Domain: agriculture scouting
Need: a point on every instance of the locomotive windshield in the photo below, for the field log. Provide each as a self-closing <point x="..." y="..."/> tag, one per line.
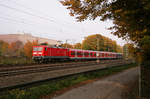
<point x="37" y="48"/>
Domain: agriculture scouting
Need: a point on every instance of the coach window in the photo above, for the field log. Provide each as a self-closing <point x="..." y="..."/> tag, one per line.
<point x="100" y="54"/>
<point x="86" y="54"/>
<point x="72" y="53"/>
<point x="91" y="54"/>
<point x="78" y="53"/>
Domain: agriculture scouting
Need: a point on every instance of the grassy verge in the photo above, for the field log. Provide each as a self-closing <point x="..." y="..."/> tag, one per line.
<point x="53" y="86"/>
<point x="5" y="61"/>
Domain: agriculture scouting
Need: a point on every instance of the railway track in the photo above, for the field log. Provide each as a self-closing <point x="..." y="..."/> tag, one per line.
<point x="13" y="71"/>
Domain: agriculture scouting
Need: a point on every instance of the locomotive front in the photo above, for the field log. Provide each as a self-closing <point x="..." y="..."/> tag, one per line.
<point x="38" y="53"/>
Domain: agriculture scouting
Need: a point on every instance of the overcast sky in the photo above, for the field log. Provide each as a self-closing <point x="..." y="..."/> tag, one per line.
<point x="48" y="19"/>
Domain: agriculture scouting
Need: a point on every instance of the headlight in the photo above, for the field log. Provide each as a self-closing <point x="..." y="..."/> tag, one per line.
<point x="35" y="53"/>
<point x="40" y="53"/>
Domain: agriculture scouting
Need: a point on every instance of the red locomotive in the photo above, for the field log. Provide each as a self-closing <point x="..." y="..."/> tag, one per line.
<point x="46" y="54"/>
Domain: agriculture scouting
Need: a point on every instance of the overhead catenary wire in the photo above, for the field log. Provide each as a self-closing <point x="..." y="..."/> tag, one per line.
<point x="35" y="15"/>
<point x="31" y="14"/>
<point x="45" y="15"/>
<point x="10" y="20"/>
<point x="20" y="19"/>
<point x="16" y="21"/>
<point x="29" y="8"/>
<point x="25" y="12"/>
<point x="33" y="10"/>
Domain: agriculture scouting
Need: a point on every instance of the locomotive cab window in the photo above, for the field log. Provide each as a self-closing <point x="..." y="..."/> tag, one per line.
<point x="45" y="49"/>
<point x="40" y="48"/>
<point x="37" y="48"/>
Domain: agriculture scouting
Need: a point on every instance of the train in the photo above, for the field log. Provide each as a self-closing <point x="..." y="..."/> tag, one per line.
<point x="44" y="54"/>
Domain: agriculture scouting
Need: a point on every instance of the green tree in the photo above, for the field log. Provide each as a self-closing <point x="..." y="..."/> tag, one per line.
<point x="45" y="43"/>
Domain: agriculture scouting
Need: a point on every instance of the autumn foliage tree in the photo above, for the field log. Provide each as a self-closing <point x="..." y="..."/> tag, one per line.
<point x="3" y="48"/>
<point x="66" y="45"/>
<point x="119" y="49"/>
<point x="28" y="47"/>
<point x="15" y="48"/>
<point x="100" y="43"/>
<point x="77" y="46"/>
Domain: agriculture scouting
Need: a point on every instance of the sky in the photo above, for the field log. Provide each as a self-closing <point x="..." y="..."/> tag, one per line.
<point x="49" y="19"/>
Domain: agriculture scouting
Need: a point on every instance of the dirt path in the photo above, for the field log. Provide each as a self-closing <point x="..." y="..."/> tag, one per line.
<point x="111" y="87"/>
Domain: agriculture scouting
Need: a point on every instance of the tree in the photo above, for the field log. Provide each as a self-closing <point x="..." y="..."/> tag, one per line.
<point x="28" y="47"/>
<point x="145" y="44"/>
<point x="100" y="43"/>
<point x="3" y="48"/>
<point x="93" y="42"/>
<point x="78" y="46"/>
<point x="66" y="45"/>
<point x="119" y="49"/>
<point x="45" y="43"/>
<point x="15" y="48"/>
<point x="114" y="46"/>
<point x="1" y="44"/>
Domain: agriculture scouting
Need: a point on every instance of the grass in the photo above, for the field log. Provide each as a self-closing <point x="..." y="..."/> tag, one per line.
<point x="14" y="61"/>
<point x="50" y="87"/>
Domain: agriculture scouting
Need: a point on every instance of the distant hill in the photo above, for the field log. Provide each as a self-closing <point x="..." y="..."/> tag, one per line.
<point x="26" y="37"/>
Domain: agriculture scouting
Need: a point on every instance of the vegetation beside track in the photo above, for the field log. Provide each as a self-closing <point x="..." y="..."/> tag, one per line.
<point x="50" y="87"/>
<point x="13" y="61"/>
